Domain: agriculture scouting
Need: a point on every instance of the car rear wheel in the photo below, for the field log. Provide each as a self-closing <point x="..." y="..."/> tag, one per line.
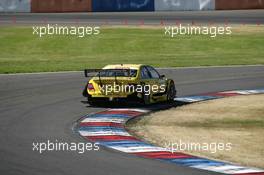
<point x="85" y="93"/>
<point x="90" y="100"/>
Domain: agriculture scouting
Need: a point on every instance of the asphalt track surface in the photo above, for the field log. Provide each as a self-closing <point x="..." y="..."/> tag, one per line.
<point x="41" y="107"/>
<point x="136" y="18"/>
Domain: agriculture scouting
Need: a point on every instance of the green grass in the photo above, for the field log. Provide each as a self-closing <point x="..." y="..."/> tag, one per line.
<point x="20" y="51"/>
<point x="226" y="123"/>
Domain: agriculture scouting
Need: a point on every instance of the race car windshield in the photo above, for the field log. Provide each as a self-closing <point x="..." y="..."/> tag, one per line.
<point x="118" y="73"/>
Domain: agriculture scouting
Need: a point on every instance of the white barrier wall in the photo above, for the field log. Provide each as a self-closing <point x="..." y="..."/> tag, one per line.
<point x="15" y="6"/>
<point x="177" y="5"/>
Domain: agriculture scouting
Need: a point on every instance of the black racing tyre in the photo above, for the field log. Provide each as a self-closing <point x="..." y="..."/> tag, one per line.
<point x="145" y="97"/>
<point x="85" y="93"/>
<point x="171" y="92"/>
<point x="90" y="100"/>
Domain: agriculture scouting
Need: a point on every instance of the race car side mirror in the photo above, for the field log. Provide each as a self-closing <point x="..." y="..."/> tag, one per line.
<point x="162" y="76"/>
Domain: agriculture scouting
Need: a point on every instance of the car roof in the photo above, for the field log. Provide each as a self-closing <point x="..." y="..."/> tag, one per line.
<point x="123" y="66"/>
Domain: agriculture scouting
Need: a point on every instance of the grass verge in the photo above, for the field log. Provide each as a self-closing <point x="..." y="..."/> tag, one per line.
<point x="236" y="120"/>
<point x="21" y="51"/>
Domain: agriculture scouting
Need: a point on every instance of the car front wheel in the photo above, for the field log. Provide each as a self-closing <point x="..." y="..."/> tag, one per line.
<point x="171" y="93"/>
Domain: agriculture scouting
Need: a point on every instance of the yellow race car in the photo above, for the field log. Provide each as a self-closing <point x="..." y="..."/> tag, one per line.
<point x="128" y="82"/>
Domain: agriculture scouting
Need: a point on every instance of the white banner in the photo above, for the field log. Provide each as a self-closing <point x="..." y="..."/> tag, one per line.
<point x="15" y="6"/>
<point x="180" y="5"/>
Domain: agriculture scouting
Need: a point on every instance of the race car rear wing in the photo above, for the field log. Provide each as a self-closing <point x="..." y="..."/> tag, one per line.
<point x="94" y="72"/>
<point x="97" y="72"/>
<point x="91" y="72"/>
